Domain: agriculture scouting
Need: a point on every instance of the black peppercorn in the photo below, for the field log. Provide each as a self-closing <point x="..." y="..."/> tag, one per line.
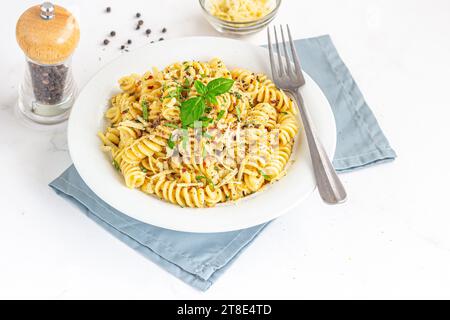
<point x="106" y="42"/>
<point x="129" y="41"/>
<point x="122" y="47"/>
<point x="164" y="30"/>
<point x="138" y="27"/>
<point x="148" y="31"/>
<point x="160" y="39"/>
<point x="108" y="9"/>
<point x="112" y="34"/>
<point x="138" y="15"/>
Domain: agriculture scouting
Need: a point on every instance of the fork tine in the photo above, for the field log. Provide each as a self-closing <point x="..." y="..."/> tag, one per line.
<point x="280" y="60"/>
<point x="298" y="68"/>
<point x="272" y="60"/>
<point x="288" y="61"/>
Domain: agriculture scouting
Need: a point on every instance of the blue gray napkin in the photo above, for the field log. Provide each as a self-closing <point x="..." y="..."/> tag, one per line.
<point x="199" y="259"/>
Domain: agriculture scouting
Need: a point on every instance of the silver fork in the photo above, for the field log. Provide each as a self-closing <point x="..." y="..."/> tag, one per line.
<point x="290" y="78"/>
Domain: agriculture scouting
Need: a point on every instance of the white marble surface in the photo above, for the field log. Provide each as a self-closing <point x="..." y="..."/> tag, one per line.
<point x="392" y="238"/>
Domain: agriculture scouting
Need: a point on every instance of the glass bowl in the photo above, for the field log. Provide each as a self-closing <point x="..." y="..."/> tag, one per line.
<point x="239" y="28"/>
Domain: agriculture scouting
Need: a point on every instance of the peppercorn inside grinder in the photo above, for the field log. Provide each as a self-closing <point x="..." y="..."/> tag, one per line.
<point x="48" y="35"/>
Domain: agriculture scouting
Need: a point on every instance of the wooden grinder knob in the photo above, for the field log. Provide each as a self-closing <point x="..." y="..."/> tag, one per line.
<point x="47" y="34"/>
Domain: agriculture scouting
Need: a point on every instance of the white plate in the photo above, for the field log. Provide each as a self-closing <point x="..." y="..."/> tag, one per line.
<point x="95" y="168"/>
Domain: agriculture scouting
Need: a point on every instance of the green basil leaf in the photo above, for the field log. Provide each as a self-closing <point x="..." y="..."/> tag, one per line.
<point x="192" y="110"/>
<point x="220" y="86"/>
<point x="200" y="87"/>
<point x="205" y="119"/>
<point x="203" y="122"/>
<point x="211" y="99"/>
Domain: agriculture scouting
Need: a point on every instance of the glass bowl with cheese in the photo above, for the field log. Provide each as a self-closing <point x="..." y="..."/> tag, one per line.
<point x="239" y="17"/>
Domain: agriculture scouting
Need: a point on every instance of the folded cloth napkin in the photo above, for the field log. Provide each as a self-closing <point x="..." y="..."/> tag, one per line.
<point x="199" y="259"/>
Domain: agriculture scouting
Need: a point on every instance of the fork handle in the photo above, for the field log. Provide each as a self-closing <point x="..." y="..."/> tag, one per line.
<point x="330" y="186"/>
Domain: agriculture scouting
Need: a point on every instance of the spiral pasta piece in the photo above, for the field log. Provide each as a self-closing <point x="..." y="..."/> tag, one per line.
<point x="288" y="125"/>
<point x="274" y="169"/>
<point x="133" y="174"/>
<point x="276" y="98"/>
<point x="129" y="84"/>
<point x="263" y="114"/>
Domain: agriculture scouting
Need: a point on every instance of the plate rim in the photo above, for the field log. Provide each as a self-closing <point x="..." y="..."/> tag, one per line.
<point x="201" y="229"/>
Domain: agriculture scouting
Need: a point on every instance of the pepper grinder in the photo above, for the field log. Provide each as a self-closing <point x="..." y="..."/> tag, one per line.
<point x="48" y="35"/>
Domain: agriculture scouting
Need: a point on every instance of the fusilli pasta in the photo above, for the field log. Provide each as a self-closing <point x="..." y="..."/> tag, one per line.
<point x="242" y="139"/>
